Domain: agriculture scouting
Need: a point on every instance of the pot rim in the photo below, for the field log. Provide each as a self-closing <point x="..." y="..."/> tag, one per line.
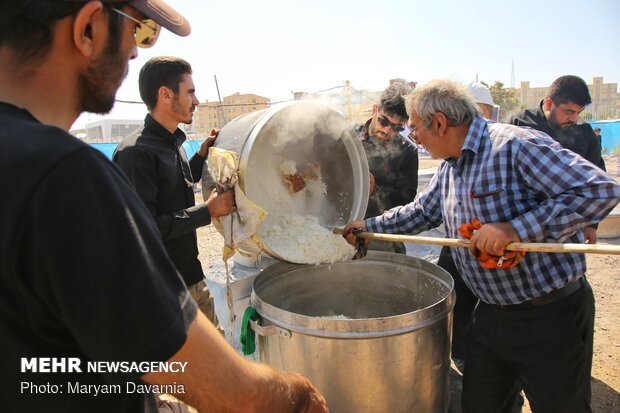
<point x="363" y="327"/>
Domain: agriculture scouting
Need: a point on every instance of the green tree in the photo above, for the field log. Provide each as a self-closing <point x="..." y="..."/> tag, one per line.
<point x="505" y="99"/>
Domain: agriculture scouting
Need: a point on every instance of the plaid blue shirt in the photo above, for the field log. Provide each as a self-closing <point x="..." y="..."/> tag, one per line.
<point x="517" y="175"/>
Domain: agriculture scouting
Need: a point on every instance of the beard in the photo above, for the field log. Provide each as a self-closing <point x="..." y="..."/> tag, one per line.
<point x="374" y="131"/>
<point x="102" y="78"/>
<point x="185" y="116"/>
<point x="553" y="121"/>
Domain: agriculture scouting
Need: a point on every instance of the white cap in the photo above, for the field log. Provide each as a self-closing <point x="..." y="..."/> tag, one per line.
<point x="481" y="93"/>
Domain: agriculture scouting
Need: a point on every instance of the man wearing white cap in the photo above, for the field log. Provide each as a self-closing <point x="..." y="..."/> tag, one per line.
<point x="93" y="313"/>
<point x="482" y="96"/>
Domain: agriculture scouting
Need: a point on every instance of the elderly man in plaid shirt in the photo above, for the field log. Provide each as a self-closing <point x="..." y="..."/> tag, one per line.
<point x="534" y="325"/>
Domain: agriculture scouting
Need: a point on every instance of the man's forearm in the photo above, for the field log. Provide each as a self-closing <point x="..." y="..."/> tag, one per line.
<point x="181" y="222"/>
<point x="218" y="379"/>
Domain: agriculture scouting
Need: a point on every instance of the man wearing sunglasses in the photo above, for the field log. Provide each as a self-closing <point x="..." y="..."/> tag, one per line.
<point x="534" y="323"/>
<point x="392" y="160"/>
<point x="85" y="281"/>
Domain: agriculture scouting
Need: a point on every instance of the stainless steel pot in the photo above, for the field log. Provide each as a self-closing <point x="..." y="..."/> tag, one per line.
<point x="303" y="132"/>
<point x="373" y="335"/>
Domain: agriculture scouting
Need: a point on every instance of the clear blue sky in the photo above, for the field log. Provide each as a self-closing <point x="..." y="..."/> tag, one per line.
<point x="274" y="47"/>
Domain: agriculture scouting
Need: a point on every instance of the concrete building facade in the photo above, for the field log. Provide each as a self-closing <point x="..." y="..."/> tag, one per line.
<point x="211" y="115"/>
<point x="110" y="130"/>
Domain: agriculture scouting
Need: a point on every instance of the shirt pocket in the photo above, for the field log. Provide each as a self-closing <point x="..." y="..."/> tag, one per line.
<point x="487" y="192"/>
<point x="488" y="201"/>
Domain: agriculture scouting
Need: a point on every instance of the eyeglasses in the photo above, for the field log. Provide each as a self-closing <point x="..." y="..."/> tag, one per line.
<point x="385" y="122"/>
<point x="411" y="134"/>
<point x="145" y="33"/>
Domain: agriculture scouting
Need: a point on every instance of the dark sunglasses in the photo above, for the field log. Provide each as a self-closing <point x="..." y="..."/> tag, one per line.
<point x="385" y="122"/>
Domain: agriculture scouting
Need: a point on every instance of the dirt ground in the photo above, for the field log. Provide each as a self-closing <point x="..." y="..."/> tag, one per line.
<point x="604" y="276"/>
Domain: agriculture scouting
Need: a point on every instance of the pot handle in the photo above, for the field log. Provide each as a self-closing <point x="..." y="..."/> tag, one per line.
<point x="248" y="342"/>
<point x="271" y="330"/>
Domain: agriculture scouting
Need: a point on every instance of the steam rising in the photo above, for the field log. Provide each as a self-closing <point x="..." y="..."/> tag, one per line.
<point x="294" y="138"/>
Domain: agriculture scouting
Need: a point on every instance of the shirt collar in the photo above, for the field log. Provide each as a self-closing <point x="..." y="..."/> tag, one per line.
<point x="176" y="139"/>
<point x="477" y="137"/>
<point x="477" y="131"/>
<point x="21" y="111"/>
<point x="366" y="130"/>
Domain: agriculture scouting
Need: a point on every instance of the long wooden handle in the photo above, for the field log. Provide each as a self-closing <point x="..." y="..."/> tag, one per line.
<point x="515" y="246"/>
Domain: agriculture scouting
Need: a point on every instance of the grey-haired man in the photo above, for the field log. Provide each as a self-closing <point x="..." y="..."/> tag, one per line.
<point x="533" y="326"/>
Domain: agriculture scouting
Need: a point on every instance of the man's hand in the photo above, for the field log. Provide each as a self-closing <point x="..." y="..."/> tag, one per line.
<point x="306" y="397"/>
<point x="221" y="203"/>
<point x="493" y="238"/>
<point x="347" y="232"/>
<point x="204" y="148"/>
<point x="360" y="244"/>
<point x="590" y="233"/>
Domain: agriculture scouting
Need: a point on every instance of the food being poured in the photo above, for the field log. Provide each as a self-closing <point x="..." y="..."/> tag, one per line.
<point x="295" y="181"/>
<point x="292" y="228"/>
<point x="303" y="240"/>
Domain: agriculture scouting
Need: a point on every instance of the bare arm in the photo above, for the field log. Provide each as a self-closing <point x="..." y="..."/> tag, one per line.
<point x="218" y="379"/>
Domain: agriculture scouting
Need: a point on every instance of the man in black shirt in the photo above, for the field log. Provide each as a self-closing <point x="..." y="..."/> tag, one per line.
<point x="558" y="116"/>
<point x="84" y="276"/>
<point x="157" y="166"/>
<point x="392" y="159"/>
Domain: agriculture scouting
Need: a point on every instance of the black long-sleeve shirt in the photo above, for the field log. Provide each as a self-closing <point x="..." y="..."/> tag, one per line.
<point x="580" y="139"/>
<point x="156" y="163"/>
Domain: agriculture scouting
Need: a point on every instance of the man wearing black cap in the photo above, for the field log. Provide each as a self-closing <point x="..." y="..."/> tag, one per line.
<point x="93" y="313"/>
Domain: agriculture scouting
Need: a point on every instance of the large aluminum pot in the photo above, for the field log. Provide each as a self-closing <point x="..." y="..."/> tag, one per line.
<point x="373" y="335"/>
<point x="303" y="132"/>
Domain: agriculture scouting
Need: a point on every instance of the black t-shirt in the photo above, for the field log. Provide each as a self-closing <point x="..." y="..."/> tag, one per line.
<point x="83" y="272"/>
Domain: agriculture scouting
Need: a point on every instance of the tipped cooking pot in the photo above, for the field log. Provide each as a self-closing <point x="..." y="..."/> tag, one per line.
<point x="307" y="134"/>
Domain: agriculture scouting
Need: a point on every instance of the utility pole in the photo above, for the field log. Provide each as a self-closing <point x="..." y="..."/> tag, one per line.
<point x="347" y="92"/>
<point x="217" y="87"/>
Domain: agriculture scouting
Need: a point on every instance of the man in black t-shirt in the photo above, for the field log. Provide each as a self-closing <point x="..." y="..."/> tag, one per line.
<point x="85" y="281"/>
